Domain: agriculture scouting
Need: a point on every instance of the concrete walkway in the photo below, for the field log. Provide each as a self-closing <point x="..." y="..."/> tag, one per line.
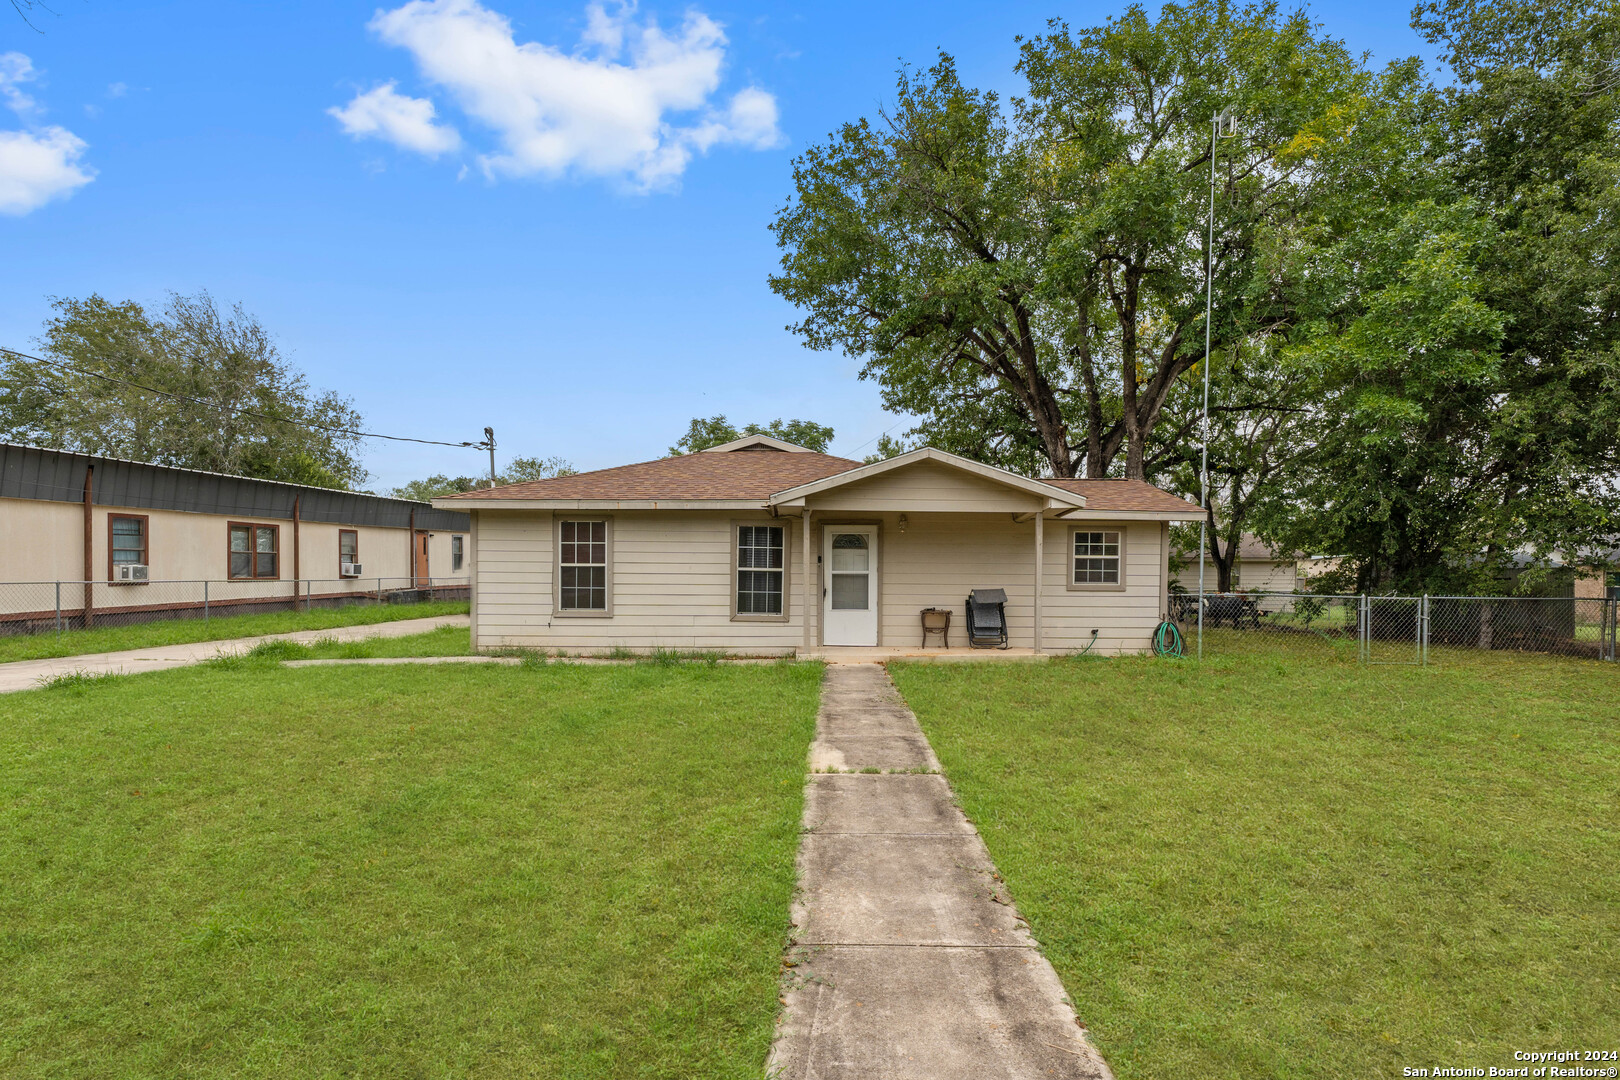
<point x="908" y="959"/>
<point x="29" y="674"/>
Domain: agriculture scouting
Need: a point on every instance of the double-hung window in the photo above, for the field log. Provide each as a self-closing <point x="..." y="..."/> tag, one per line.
<point x="126" y="541"/>
<point x="457" y="553"/>
<point x="1097" y="559"/>
<point x="348" y="551"/>
<point x="255" y="551"/>
<point x="582" y="567"/>
<point x="761" y="570"/>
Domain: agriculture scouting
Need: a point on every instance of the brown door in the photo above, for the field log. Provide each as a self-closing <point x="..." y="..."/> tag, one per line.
<point x="421" y="560"/>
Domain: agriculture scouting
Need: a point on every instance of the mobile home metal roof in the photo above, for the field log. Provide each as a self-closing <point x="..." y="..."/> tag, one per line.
<point x="32" y="472"/>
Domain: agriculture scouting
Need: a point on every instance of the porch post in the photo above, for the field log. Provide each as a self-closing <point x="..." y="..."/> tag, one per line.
<point x="1040" y="541"/>
<point x="809" y="581"/>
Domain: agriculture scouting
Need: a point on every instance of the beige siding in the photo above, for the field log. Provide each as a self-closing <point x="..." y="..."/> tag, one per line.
<point x="927" y="487"/>
<point x="1125" y="619"/>
<point x="43" y="541"/>
<point x="672" y="571"/>
<point x="671" y="585"/>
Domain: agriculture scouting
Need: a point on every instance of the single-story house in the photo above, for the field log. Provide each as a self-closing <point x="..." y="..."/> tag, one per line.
<point x="1257" y="569"/>
<point x="146" y="537"/>
<point x="766" y="548"/>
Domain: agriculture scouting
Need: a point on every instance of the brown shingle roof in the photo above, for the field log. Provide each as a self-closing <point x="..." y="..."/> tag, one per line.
<point x="1125" y="495"/>
<point x="735" y="475"/>
<point x="749" y="475"/>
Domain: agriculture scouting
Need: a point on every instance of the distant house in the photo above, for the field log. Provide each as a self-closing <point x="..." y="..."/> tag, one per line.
<point x="1257" y="569"/>
<point x="130" y="529"/>
<point x="762" y="547"/>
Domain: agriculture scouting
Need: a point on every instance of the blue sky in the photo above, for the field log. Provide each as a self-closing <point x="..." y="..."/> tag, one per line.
<point x="374" y="185"/>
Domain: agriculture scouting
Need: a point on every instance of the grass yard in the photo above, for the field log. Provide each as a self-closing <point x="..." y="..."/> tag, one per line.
<point x="1292" y="866"/>
<point x="183" y="631"/>
<point x="458" y="871"/>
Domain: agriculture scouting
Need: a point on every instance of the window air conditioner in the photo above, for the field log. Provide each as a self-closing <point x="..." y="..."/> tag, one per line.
<point x="130" y="572"/>
<point x="353" y="569"/>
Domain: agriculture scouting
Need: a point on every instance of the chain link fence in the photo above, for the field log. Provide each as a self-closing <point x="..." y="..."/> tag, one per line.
<point x="1400" y="629"/>
<point x="42" y="607"/>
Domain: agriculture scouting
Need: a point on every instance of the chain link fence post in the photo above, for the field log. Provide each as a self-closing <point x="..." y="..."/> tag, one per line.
<point x="58" y="607"/>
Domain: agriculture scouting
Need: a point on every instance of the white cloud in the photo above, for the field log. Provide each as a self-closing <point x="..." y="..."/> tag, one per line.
<point x="16" y="69"/>
<point x="631" y="101"/>
<point x="117" y="89"/>
<point x="403" y="121"/>
<point x="38" y="166"/>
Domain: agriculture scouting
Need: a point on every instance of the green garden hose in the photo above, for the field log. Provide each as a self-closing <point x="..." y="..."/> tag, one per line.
<point x="1167" y="640"/>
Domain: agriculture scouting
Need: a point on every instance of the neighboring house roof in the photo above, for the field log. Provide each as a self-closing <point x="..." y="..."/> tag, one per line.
<point x="758" y="471"/>
<point x="35" y="472"/>
<point x="1253" y="549"/>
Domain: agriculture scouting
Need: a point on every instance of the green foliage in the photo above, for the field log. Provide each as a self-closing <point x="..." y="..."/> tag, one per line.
<point x="717" y="431"/>
<point x="521" y="470"/>
<point x="226" y="362"/>
<point x="1287" y="865"/>
<point x="1031" y="283"/>
<point x="457" y="870"/>
<point x="1464" y="349"/>
<point x="888" y="447"/>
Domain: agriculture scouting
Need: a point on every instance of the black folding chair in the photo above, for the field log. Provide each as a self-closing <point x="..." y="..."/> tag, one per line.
<point x="987" y="618"/>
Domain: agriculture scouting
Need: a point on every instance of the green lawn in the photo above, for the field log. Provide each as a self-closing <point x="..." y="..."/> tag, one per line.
<point x="1292" y="866"/>
<point x="239" y="870"/>
<point x="181" y="631"/>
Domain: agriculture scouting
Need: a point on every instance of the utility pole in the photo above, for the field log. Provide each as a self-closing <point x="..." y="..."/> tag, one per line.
<point x="489" y="441"/>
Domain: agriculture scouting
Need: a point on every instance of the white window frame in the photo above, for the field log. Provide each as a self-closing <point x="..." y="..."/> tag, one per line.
<point x="1104" y="528"/>
<point x="605" y="612"/>
<point x="458" y="552"/>
<point x="737" y="569"/>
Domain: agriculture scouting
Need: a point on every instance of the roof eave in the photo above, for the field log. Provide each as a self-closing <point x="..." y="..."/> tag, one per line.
<point x="474" y="505"/>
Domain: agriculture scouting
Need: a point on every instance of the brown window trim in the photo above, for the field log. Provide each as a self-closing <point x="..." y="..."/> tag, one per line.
<point x="352" y="532"/>
<point x="146" y="542"/>
<point x="229" y="525"/>
<point x="1069" y="556"/>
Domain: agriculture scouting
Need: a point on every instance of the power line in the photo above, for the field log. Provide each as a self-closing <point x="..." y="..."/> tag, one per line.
<point x="240" y="412"/>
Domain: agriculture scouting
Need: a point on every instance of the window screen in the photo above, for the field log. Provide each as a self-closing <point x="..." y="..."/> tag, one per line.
<point x="456" y="553"/>
<point x="128" y="540"/>
<point x="254" y="551"/>
<point x="760" y="568"/>
<point x="583" y="566"/>
<point x="1096" y="558"/>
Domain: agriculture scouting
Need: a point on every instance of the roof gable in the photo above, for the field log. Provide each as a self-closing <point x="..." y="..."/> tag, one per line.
<point x="757" y="442"/>
<point x="941" y="460"/>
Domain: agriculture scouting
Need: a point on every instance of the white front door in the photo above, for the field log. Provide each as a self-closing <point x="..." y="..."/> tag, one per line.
<point x="849" y="607"/>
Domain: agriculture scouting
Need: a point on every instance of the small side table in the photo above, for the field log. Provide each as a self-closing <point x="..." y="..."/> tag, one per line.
<point x="936" y="621"/>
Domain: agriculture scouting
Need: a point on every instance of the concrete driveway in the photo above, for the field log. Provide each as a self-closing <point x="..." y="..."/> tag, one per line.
<point x="29" y="674"/>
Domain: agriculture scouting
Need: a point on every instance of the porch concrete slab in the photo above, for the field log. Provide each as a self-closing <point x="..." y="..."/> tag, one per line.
<point x="898" y="1013"/>
<point x="903" y="805"/>
<point x="902" y="890"/>
<point x="860" y="655"/>
<point x="886" y="753"/>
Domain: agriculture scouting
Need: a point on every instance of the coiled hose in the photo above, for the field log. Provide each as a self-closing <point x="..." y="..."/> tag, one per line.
<point x="1167" y="641"/>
